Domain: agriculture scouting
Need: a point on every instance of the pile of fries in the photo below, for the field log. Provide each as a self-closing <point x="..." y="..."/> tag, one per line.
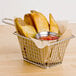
<point x="35" y="22"/>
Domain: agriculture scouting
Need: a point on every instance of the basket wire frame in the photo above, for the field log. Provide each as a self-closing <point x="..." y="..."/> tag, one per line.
<point x="45" y="57"/>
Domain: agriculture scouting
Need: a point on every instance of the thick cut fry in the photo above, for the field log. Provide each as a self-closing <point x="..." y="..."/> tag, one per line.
<point x="40" y="21"/>
<point x="53" y="25"/>
<point x="28" y="19"/>
<point x="18" y="24"/>
<point x="23" y="29"/>
<point x="33" y="11"/>
<point x="29" y="31"/>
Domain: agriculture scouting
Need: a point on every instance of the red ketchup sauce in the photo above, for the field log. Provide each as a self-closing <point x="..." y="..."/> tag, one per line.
<point x="49" y="38"/>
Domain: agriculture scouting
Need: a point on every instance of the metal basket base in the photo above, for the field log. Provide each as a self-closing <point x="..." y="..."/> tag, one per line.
<point x="43" y="65"/>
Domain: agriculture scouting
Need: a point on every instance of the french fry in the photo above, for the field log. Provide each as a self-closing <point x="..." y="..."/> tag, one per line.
<point x="24" y="29"/>
<point x="28" y="19"/>
<point x="40" y="21"/>
<point x="53" y="25"/>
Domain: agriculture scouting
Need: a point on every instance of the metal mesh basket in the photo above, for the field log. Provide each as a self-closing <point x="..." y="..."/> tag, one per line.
<point x="46" y="56"/>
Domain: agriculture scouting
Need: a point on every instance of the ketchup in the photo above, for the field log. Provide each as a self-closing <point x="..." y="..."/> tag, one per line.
<point x="49" y="38"/>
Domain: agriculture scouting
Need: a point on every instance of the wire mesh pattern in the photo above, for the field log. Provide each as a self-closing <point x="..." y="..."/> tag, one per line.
<point x="47" y="56"/>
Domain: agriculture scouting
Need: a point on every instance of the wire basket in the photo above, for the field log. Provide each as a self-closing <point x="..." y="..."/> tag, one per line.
<point x="45" y="57"/>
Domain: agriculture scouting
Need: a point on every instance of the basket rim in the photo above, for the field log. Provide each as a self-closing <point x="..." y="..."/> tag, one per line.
<point x="15" y="33"/>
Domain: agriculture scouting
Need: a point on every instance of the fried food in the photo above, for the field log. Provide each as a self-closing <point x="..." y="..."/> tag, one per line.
<point x="23" y="29"/>
<point x="29" y="31"/>
<point x="33" y="11"/>
<point x="28" y="19"/>
<point x="40" y="21"/>
<point x="53" y="25"/>
<point x="34" y="23"/>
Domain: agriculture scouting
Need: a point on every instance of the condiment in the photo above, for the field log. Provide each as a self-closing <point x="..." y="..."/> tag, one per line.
<point x="49" y="38"/>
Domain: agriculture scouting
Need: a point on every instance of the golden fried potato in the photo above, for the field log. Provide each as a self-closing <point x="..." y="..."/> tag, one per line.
<point x="23" y="29"/>
<point x="29" y="31"/>
<point x="40" y="21"/>
<point x="53" y="25"/>
<point x="34" y="11"/>
<point x="28" y="19"/>
<point x="18" y="24"/>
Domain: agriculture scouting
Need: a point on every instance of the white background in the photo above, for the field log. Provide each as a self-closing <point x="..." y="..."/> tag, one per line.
<point x="61" y="9"/>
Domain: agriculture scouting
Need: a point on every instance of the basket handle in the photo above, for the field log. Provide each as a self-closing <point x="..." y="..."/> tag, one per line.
<point x="6" y="21"/>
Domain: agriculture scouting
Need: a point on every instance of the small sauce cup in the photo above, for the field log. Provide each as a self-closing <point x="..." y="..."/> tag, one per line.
<point x="46" y="34"/>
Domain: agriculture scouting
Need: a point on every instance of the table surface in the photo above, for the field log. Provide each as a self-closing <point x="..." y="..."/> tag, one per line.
<point x="12" y="64"/>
